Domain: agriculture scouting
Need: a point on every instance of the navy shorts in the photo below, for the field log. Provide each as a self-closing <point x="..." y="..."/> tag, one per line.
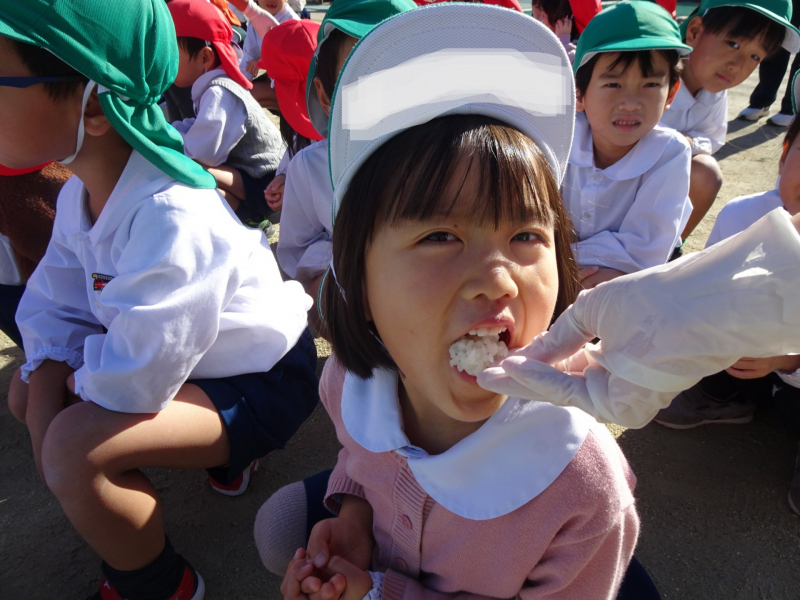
<point x="253" y="206"/>
<point x="262" y="411"/>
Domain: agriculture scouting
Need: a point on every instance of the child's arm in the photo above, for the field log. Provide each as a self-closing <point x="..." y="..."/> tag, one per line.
<point x="709" y="135"/>
<point x="652" y="226"/>
<point x="262" y="20"/>
<point x="219" y="126"/>
<point x="304" y="247"/>
<point x="754" y="368"/>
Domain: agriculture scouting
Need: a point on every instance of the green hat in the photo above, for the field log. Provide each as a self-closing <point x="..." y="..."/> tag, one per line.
<point x="629" y="26"/>
<point x="130" y="50"/>
<point x="779" y="11"/>
<point x="795" y="92"/>
<point x="356" y="18"/>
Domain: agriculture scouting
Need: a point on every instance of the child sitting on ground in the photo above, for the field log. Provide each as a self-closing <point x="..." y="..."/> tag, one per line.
<point x="450" y="245"/>
<point x="304" y="246"/>
<point x="731" y="396"/>
<point x="729" y="39"/>
<point x="231" y="135"/>
<point x="263" y="15"/>
<point x="157" y="330"/>
<point x="627" y="182"/>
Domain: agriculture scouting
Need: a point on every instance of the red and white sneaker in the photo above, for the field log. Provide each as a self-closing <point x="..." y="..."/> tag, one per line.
<point x="239" y="485"/>
<point x="191" y="588"/>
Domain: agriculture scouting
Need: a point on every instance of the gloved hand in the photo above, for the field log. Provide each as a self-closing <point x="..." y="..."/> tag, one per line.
<point x="665" y="328"/>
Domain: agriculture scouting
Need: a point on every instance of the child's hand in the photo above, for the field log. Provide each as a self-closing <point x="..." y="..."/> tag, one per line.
<point x="563" y="26"/>
<point x="299" y="569"/>
<point x="274" y="192"/>
<point x="341" y="537"/>
<point x="754" y="368"/>
<point x="252" y="67"/>
<point x="602" y="275"/>
<point x="345" y="581"/>
<point x="586" y="271"/>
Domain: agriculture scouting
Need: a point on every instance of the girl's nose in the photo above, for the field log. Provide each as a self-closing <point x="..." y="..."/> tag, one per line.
<point x="493" y="280"/>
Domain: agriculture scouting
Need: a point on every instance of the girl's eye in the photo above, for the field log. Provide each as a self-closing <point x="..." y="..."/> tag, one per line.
<point x="755" y="57"/>
<point x="440" y="236"/>
<point x="734" y="45"/>
<point x="528" y="236"/>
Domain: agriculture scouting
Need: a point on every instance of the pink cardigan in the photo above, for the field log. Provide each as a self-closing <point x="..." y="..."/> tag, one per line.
<point x="573" y="541"/>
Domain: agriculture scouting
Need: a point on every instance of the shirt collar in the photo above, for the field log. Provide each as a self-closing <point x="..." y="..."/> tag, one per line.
<point x="511" y="459"/>
<point x="203" y="82"/>
<point x="684" y="100"/>
<point x="139" y="180"/>
<point x="642" y="157"/>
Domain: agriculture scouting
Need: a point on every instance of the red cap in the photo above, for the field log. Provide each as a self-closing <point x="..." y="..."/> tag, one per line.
<point x="286" y="54"/>
<point x="8" y="172"/>
<point x="512" y="4"/>
<point x="202" y="20"/>
<point x="583" y="11"/>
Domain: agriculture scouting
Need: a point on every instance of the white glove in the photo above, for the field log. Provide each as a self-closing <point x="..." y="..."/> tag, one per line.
<point x="665" y="328"/>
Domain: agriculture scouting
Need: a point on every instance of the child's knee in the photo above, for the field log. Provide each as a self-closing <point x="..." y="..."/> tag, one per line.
<point x="67" y="461"/>
<point x="280" y="527"/>
<point x="18" y="397"/>
<point x="706" y="174"/>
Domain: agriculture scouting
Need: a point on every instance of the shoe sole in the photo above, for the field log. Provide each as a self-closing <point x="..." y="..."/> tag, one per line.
<point x="245" y="483"/>
<point x="734" y="421"/>
<point x="751" y="119"/>
<point x="200" y="592"/>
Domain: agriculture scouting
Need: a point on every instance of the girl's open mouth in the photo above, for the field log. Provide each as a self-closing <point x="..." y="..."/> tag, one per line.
<point x="478" y="349"/>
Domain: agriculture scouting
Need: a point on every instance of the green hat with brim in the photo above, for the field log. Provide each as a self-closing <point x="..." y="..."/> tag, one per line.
<point x="629" y="27"/>
<point x="130" y="50"/>
<point x="356" y="18"/>
<point x="779" y="11"/>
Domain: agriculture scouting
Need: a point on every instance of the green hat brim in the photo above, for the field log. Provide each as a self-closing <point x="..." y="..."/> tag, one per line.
<point x="632" y="46"/>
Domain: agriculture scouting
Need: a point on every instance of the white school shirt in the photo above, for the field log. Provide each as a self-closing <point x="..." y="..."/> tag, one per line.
<point x="260" y="22"/>
<point x="629" y="216"/>
<point x="703" y="117"/>
<point x="183" y="290"/>
<point x="736" y="216"/>
<point x="220" y="123"/>
<point x="304" y="247"/>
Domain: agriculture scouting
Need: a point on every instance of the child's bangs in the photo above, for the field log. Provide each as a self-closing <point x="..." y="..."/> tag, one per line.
<point x="742" y="23"/>
<point x="472" y="166"/>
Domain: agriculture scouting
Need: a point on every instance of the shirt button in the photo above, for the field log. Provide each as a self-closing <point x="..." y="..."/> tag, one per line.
<point x="407" y="522"/>
<point x="401" y="564"/>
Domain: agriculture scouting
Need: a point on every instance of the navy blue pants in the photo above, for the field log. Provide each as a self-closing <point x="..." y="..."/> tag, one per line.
<point x="10" y="296"/>
<point x="636" y="585"/>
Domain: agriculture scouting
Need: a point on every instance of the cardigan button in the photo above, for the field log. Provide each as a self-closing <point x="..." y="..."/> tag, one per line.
<point x="407" y="522"/>
<point x="401" y="564"/>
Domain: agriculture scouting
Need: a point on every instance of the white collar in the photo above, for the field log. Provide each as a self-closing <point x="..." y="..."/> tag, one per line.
<point x="140" y="179"/>
<point x="684" y="100"/>
<point x="641" y="158"/>
<point x="202" y="83"/>
<point x="510" y="460"/>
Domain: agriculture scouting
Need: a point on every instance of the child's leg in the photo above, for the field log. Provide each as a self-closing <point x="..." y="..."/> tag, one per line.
<point x="230" y="184"/>
<point x="264" y="94"/>
<point x="91" y="461"/>
<point x="18" y="397"/>
<point x="704" y="184"/>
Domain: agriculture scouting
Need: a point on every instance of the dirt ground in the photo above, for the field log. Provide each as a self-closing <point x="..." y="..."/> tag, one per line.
<point x="715" y="522"/>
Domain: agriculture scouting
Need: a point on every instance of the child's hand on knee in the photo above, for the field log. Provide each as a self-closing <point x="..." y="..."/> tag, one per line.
<point x="755" y="368"/>
<point x="274" y="192"/>
<point x="252" y="67"/>
<point x="341" y="537"/>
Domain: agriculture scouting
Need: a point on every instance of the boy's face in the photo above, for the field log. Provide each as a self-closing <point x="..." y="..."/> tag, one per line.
<point x="789" y="184"/>
<point x="272" y="6"/>
<point x="34" y="128"/>
<point x="719" y="62"/>
<point x="623" y="106"/>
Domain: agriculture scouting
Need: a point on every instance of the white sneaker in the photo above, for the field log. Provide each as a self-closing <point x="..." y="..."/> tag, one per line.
<point x="753" y="114"/>
<point x="780" y="120"/>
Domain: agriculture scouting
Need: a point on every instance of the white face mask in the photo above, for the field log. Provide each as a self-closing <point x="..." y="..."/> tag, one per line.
<point x="86" y="93"/>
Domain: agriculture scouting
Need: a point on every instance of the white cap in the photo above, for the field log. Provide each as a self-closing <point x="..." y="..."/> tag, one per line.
<point x="447" y="59"/>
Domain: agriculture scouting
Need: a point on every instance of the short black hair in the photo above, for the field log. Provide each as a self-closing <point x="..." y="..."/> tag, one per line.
<point x="194" y="46"/>
<point x="554" y="9"/>
<point x="644" y="58"/>
<point x="743" y="23"/>
<point x="43" y="63"/>
<point x="328" y="59"/>
<point x="409" y="178"/>
<point x="293" y="140"/>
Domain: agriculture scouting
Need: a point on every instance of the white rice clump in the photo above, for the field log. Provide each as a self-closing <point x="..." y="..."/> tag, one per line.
<point x="478" y="350"/>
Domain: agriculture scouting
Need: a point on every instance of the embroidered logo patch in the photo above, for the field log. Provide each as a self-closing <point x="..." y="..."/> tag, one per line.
<point x="100" y="281"/>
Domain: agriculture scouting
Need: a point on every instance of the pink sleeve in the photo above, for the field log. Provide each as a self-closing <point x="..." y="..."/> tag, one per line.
<point x="580" y="568"/>
<point x="340" y="483"/>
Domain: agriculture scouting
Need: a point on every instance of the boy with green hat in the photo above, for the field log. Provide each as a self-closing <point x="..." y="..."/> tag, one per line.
<point x="304" y="246"/>
<point x="157" y="330"/>
<point x="627" y="181"/>
<point x="729" y="39"/>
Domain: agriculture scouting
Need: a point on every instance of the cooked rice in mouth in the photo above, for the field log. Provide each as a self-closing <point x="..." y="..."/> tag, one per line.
<point x="478" y="350"/>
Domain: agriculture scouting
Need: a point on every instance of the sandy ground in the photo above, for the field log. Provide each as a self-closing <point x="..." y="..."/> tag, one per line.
<point x="715" y="523"/>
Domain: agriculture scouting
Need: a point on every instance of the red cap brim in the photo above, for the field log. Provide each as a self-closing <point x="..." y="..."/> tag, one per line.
<point x="230" y="64"/>
<point x="291" y="97"/>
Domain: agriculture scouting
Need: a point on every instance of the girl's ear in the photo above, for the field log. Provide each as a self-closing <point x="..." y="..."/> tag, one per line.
<point x="324" y="101"/>
<point x="95" y="122"/>
<point x="694" y="31"/>
<point x="579" y="105"/>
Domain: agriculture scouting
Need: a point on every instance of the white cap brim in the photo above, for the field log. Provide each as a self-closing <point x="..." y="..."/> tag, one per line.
<point x="463" y="59"/>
